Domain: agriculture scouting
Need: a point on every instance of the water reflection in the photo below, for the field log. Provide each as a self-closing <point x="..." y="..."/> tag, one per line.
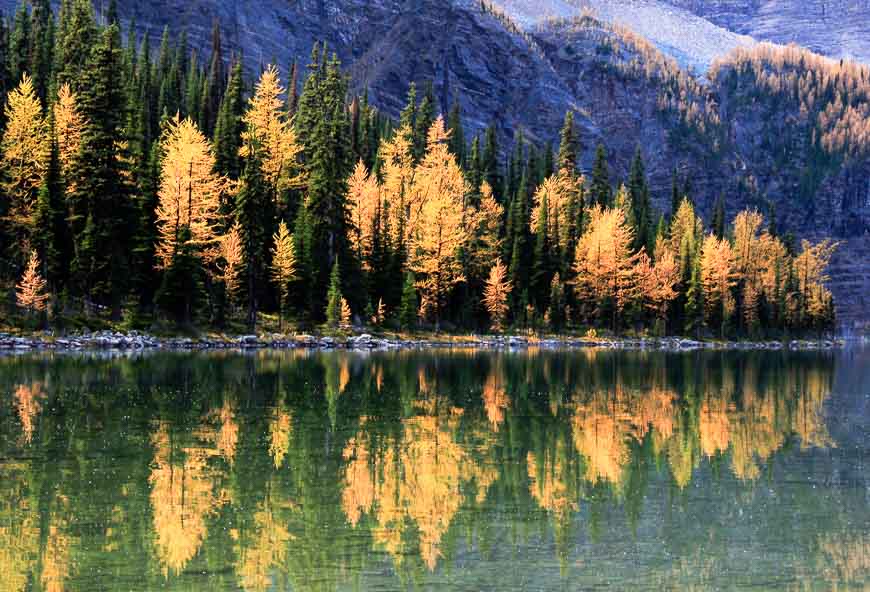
<point x="325" y="471"/>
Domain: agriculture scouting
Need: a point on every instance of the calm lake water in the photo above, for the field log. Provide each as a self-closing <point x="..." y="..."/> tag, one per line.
<point x="583" y="470"/>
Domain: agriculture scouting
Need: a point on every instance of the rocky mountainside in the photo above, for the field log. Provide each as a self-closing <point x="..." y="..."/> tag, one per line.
<point x="836" y="28"/>
<point x="733" y="132"/>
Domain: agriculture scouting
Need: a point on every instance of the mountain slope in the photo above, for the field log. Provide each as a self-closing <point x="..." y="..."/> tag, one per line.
<point x="836" y="28"/>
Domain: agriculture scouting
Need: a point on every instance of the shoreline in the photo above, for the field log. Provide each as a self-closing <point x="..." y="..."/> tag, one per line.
<point x="136" y="341"/>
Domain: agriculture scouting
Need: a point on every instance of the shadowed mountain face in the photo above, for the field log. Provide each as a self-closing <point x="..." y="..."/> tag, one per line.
<point x="753" y="145"/>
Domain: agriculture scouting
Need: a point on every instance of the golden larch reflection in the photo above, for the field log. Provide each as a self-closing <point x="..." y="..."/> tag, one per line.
<point x="182" y="498"/>
<point x="28" y="405"/>
<point x="421" y="478"/>
<point x="495" y="398"/>
<point x="280" y="428"/>
<point x="845" y="559"/>
<point x="266" y="551"/>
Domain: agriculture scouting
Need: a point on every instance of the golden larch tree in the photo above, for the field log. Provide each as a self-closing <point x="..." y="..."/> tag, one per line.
<point x="487" y="238"/>
<point x="718" y="277"/>
<point x="604" y="262"/>
<point x="442" y="232"/>
<point x="267" y="126"/>
<point x="30" y="292"/>
<point x="658" y="283"/>
<point x="232" y="255"/>
<point x="495" y="295"/>
<point x="399" y="174"/>
<point x="283" y="264"/>
<point x="364" y="197"/>
<point x="26" y="150"/>
<point x="189" y="194"/>
<point x="69" y="124"/>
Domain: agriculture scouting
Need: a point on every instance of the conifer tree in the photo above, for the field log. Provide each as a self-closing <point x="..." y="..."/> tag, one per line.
<point x="229" y="127"/>
<point x="638" y="191"/>
<point x="215" y="84"/>
<point x="283" y="264"/>
<point x="602" y="192"/>
<point x="254" y="214"/>
<point x="568" y="145"/>
<point x="50" y="222"/>
<point x="99" y="177"/>
<point x="457" y="135"/>
<point x="19" y="43"/>
<point x="41" y="46"/>
<point x="408" y="308"/>
<point x="78" y="32"/>
<point x="30" y="292"/>
<point x="495" y="296"/>
<point x="489" y="161"/>
<point x="26" y="150"/>
<point x="334" y="299"/>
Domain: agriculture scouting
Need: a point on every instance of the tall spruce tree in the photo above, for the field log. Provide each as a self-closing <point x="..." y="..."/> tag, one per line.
<point x="253" y="209"/>
<point x="228" y="130"/>
<point x="99" y="178"/>
<point x="638" y="191"/>
<point x="568" y="145"/>
<point x="602" y="191"/>
<point x="41" y="46"/>
<point x="19" y="43"/>
<point x="78" y="32"/>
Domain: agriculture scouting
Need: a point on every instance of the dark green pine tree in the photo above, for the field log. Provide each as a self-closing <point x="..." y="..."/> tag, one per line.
<point x="180" y="288"/>
<point x="112" y="14"/>
<point x="489" y="162"/>
<point x="19" y="44"/>
<point x="329" y="163"/>
<point x="334" y="297"/>
<point x="638" y="192"/>
<point x="408" y="116"/>
<point x="228" y="131"/>
<point x="408" y="308"/>
<point x="676" y="198"/>
<point x="310" y="107"/>
<point x="602" y="191"/>
<point x="75" y="40"/>
<point x="102" y="270"/>
<point x="305" y="265"/>
<point x="718" y="222"/>
<point x="569" y="145"/>
<point x="425" y="118"/>
<point x="473" y="171"/>
<point x="5" y="76"/>
<point x="253" y="210"/>
<point x="293" y="89"/>
<point x="548" y="166"/>
<point x="41" y="46"/>
<point x="50" y="224"/>
<point x="457" y="134"/>
<point x="541" y="260"/>
<point x="215" y="84"/>
<point x="144" y="259"/>
<point x="694" y="310"/>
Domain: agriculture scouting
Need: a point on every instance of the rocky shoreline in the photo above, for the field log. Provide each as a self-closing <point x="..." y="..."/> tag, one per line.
<point x="135" y="341"/>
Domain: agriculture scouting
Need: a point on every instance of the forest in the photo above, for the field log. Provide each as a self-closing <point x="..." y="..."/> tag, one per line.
<point x="157" y="187"/>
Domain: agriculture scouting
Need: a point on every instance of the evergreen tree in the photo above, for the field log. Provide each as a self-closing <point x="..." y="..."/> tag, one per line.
<point x="489" y="162"/>
<point x="568" y="145"/>
<point x="41" y="46"/>
<point x="99" y="177"/>
<point x="50" y="224"/>
<point x="718" y="223"/>
<point x="19" y="43"/>
<point x="334" y="298"/>
<point x="228" y="131"/>
<point x="676" y="198"/>
<point x="425" y="118"/>
<point x="638" y="191"/>
<point x="602" y="191"/>
<point x="77" y="37"/>
<point x="408" y="308"/>
<point x="293" y="89"/>
<point x="329" y="165"/>
<point x="457" y="134"/>
<point x="215" y="84"/>
<point x="253" y="212"/>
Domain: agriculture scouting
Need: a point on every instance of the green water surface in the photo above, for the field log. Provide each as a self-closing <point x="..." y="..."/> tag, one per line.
<point x="583" y="470"/>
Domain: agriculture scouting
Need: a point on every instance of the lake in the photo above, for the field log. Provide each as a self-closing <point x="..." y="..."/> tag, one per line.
<point x="462" y="470"/>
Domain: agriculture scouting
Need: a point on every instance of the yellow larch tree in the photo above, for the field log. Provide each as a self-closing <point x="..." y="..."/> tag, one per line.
<point x="267" y="126"/>
<point x="658" y="282"/>
<point x="232" y="255"/>
<point x="364" y="198"/>
<point x="718" y="277"/>
<point x="686" y="235"/>
<point x="283" y="264"/>
<point x="399" y="173"/>
<point x="555" y="192"/>
<point x="604" y="262"/>
<point x="30" y="292"/>
<point x="811" y="269"/>
<point x="189" y="194"/>
<point x="435" y="244"/>
<point x="487" y="239"/>
<point x="495" y="295"/>
<point x="69" y="124"/>
<point x="26" y="150"/>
